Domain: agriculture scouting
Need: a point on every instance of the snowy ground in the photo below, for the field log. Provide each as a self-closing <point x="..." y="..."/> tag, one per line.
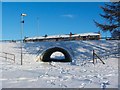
<point x="80" y="74"/>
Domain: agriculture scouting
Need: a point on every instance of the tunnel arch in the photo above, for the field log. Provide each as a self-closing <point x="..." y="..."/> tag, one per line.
<point x="46" y="55"/>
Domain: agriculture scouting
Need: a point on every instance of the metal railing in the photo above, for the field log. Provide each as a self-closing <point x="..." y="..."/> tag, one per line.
<point x="7" y="56"/>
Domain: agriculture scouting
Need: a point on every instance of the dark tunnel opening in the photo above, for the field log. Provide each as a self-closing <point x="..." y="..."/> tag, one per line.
<point x="47" y="55"/>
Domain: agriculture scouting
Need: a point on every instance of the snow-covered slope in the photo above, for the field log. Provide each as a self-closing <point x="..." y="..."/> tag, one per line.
<point x="82" y="74"/>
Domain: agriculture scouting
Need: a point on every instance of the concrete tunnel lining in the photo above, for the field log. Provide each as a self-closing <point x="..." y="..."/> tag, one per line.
<point x="46" y="55"/>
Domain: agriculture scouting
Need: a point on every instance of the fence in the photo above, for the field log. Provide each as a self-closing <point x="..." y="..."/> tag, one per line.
<point x="94" y="54"/>
<point x="8" y="56"/>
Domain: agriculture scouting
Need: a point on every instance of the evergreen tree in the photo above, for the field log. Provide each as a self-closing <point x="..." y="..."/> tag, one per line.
<point x="112" y="17"/>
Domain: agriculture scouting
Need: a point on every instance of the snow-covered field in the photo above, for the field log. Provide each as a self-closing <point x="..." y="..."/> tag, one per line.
<point x="81" y="73"/>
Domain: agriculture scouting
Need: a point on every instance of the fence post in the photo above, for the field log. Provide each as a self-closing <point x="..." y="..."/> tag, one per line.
<point x="100" y="59"/>
<point x="94" y="54"/>
<point x="6" y="56"/>
<point x="14" y="58"/>
<point x="93" y="57"/>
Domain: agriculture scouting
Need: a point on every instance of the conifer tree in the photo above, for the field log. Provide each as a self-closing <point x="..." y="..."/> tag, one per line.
<point x="112" y="17"/>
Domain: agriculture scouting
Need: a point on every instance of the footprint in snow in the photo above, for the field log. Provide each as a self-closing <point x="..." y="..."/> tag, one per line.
<point x="82" y="85"/>
<point x="62" y="85"/>
<point x="104" y="84"/>
<point x="87" y="81"/>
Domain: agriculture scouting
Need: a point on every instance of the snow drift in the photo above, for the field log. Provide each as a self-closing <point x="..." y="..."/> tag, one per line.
<point x="81" y="73"/>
